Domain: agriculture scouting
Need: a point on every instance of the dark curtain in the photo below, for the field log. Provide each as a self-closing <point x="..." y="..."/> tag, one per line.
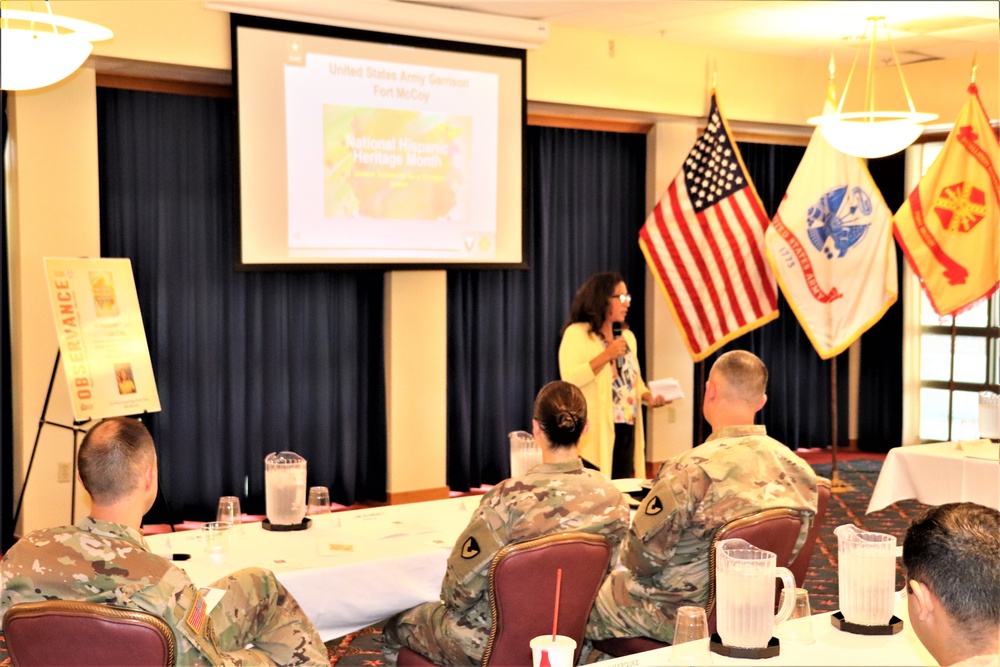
<point x="798" y="410"/>
<point x="6" y="405"/>
<point x="880" y="397"/>
<point x="586" y="204"/>
<point x="246" y="363"/>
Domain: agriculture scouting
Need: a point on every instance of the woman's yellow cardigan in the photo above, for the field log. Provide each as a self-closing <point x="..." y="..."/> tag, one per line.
<point x="579" y="345"/>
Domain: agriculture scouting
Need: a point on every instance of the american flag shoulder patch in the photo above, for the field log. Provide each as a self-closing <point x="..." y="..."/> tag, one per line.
<point x="196" y="617"/>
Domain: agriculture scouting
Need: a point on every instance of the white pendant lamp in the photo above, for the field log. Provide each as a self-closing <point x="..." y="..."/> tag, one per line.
<point x="38" y="49"/>
<point x="870" y="133"/>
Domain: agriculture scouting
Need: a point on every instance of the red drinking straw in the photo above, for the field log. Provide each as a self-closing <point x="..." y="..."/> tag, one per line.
<point x="555" y="615"/>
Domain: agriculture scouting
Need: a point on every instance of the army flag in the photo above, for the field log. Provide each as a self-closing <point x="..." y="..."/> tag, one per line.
<point x="949" y="226"/>
<point x="830" y="245"/>
<point x="704" y="243"/>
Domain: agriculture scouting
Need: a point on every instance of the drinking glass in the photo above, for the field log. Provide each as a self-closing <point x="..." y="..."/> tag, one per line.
<point x="215" y="536"/>
<point x="968" y="431"/>
<point x="319" y="500"/>
<point x="229" y="512"/>
<point x="793" y="631"/>
<point x="690" y="645"/>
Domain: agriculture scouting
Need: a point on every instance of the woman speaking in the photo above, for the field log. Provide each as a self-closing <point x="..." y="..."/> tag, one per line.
<point x="598" y="354"/>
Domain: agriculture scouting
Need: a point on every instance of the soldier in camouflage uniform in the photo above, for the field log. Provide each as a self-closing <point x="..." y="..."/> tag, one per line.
<point x="104" y="558"/>
<point x="738" y="470"/>
<point x="556" y="496"/>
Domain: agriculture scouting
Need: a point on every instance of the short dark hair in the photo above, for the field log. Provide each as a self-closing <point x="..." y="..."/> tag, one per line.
<point x="954" y="550"/>
<point x="590" y="304"/>
<point x="744" y="373"/>
<point x="561" y="413"/>
<point x="111" y="458"/>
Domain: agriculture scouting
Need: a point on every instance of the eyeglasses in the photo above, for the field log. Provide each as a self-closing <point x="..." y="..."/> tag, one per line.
<point x="624" y="298"/>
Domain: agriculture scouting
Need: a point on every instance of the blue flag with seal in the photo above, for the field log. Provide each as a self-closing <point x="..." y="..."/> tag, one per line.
<point x="831" y="247"/>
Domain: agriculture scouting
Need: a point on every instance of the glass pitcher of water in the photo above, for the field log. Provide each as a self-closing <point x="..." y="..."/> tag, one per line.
<point x="285" y="488"/>
<point x="866" y="573"/>
<point x="744" y="593"/>
<point x="524" y="453"/>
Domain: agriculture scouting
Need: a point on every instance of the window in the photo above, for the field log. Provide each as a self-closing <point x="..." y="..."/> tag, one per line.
<point x="959" y="357"/>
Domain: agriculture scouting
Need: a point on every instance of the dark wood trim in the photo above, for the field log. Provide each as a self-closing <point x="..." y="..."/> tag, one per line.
<point x="941" y="133"/>
<point x="155" y="85"/>
<point x="589" y="123"/>
<point x="749" y="136"/>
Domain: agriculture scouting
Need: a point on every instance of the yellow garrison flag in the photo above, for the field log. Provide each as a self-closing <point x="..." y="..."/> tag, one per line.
<point x="949" y="226"/>
<point x="830" y="245"/>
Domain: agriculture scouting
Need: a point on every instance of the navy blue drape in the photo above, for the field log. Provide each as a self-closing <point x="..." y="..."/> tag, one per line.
<point x="586" y="203"/>
<point x="245" y="363"/>
<point x="880" y="396"/>
<point x="798" y="410"/>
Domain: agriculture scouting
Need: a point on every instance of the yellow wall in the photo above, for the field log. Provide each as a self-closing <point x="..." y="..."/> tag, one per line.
<point x="53" y="211"/>
<point x="54" y="200"/>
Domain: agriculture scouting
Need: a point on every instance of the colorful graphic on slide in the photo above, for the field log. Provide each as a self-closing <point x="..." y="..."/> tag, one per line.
<point x="395" y="165"/>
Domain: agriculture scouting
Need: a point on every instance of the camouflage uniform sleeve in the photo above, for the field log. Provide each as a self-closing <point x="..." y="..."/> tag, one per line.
<point x="662" y="517"/>
<point x="466" y="578"/>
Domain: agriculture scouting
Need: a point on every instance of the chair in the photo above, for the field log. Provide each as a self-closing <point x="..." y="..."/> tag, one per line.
<point x="156" y="528"/>
<point x="74" y="633"/>
<point x="522" y="580"/>
<point x="776" y="530"/>
<point x="800" y="566"/>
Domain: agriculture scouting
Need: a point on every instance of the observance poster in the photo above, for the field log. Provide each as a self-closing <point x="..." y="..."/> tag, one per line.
<point x="101" y="338"/>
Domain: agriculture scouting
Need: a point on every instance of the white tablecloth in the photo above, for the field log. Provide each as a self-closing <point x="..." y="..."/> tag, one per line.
<point x="832" y="647"/>
<point x="396" y="559"/>
<point x="940" y="473"/>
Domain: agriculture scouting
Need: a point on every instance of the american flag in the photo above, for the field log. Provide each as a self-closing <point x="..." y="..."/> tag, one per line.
<point x="704" y="243"/>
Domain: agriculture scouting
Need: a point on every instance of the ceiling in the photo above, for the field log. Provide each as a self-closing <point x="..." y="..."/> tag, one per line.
<point x="923" y="30"/>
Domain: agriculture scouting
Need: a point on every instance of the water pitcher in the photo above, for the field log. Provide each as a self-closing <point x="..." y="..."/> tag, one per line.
<point x="285" y="488"/>
<point x="524" y="453"/>
<point x="744" y="593"/>
<point x="866" y="572"/>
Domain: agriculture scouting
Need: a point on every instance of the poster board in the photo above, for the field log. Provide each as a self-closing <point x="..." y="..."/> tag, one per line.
<point x="101" y="337"/>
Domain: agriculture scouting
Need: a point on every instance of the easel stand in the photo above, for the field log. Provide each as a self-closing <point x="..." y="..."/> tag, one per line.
<point x="42" y="421"/>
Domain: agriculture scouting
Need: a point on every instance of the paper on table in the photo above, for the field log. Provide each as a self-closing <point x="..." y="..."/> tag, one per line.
<point x="980" y="449"/>
<point x="628" y="484"/>
<point x="378" y="531"/>
<point x="668" y="388"/>
<point x="334" y="548"/>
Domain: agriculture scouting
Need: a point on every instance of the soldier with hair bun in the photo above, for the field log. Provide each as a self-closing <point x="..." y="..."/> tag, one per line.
<point x="455" y="630"/>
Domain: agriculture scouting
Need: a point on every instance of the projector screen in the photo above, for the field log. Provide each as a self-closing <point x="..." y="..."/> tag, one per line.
<point x="367" y="149"/>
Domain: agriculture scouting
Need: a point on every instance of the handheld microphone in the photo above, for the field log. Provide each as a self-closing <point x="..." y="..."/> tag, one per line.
<point x="616" y="332"/>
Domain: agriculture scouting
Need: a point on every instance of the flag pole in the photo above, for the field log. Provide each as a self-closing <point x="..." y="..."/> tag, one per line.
<point x="836" y="485"/>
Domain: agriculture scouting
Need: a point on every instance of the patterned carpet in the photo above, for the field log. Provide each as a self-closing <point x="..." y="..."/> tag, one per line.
<point x="849" y="507"/>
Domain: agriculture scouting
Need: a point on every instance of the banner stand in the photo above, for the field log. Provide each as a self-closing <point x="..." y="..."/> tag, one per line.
<point x="34" y="449"/>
